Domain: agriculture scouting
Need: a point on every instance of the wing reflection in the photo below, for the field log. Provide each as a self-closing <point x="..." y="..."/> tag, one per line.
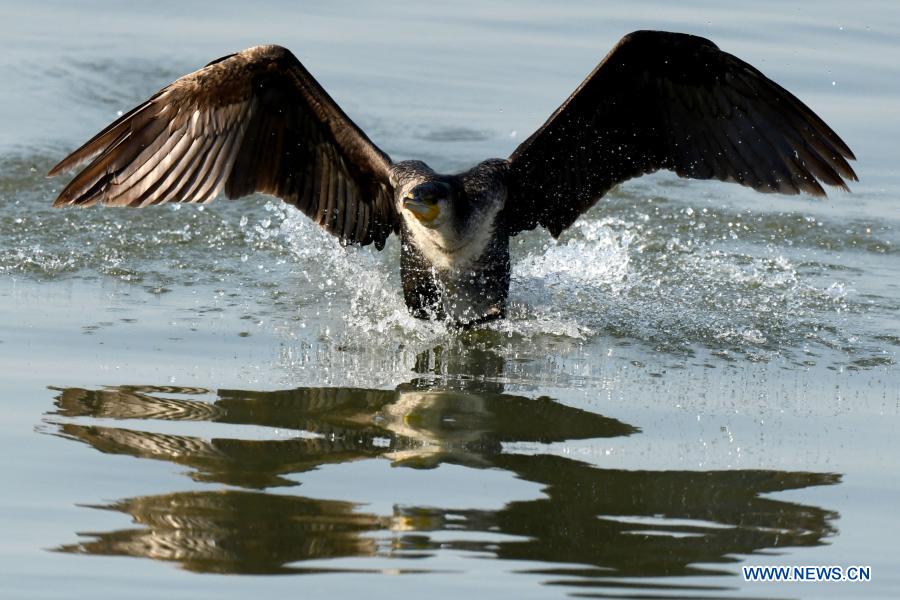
<point x="415" y="424"/>
<point x="657" y="522"/>
<point x="617" y="523"/>
<point x="236" y="531"/>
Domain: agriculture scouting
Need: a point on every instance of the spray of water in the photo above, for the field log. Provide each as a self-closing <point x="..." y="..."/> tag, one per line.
<point x="674" y="274"/>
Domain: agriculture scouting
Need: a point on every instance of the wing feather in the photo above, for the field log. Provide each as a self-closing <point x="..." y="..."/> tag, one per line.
<point x="205" y="168"/>
<point x="255" y="121"/>
<point x="672" y="101"/>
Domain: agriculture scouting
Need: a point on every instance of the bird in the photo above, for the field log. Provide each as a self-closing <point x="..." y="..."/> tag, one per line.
<point x="257" y="121"/>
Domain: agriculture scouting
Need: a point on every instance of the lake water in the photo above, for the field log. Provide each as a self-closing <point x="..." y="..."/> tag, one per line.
<point x="221" y="402"/>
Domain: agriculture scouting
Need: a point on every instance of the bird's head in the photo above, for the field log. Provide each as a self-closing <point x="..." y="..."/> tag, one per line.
<point x="450" y="218"/>
<point x="430" y="202"/>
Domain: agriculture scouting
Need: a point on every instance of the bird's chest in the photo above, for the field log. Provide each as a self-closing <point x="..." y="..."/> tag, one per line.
<point x="463" y="288"/>
<point x="445" y="248"/>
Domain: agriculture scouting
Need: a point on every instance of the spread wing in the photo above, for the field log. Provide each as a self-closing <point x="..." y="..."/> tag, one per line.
<point x="255" y="121"/>
<point x="672" y="101"/>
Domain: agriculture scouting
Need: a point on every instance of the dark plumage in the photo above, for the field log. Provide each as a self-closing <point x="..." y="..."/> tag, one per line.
<point x="257" y="121"/>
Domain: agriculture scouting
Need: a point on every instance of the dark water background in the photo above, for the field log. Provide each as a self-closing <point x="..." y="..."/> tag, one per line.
<point x="695" y="377"/>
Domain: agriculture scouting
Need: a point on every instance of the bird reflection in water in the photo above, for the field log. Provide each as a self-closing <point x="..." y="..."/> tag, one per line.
<point x="618" y="524"/>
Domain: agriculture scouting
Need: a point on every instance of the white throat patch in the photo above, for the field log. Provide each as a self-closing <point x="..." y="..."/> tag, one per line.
<point x="447" y="248"/>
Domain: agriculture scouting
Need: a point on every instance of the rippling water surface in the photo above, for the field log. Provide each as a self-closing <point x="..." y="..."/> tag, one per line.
<point x="693" y="378"/>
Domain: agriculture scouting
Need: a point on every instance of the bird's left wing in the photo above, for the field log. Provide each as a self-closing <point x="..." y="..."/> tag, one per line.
<point x="255" y="121"/>
<point x="672" y="101"/>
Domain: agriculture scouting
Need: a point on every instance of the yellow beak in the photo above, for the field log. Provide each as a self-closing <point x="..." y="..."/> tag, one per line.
<point x="426" y="212"/>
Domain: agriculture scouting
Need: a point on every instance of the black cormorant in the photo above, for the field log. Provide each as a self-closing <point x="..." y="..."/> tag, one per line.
<point x="257" y="121"/>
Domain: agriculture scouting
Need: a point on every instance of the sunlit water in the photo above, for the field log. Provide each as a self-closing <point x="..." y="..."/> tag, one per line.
<point x="692" y="378"/>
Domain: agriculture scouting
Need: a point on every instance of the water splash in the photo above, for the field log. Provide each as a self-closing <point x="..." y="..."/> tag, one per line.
<point x="670" y="272"/>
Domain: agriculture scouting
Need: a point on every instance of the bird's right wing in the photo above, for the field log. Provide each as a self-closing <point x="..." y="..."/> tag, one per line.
<point x="255" y="121"/>
<point x="674" y="101"/>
